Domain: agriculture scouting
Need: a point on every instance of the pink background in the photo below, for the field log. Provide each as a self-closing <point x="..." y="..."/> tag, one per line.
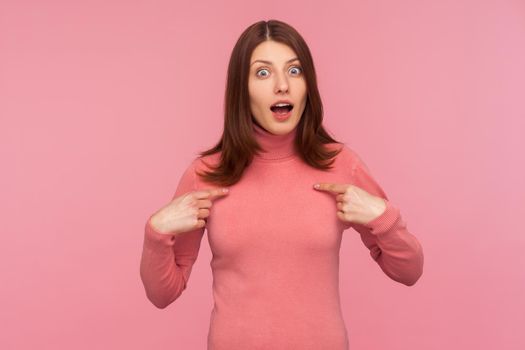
<point x="104" y="103"/>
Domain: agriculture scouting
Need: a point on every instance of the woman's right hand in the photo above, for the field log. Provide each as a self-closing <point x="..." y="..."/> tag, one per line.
<point x="186" y="212"/>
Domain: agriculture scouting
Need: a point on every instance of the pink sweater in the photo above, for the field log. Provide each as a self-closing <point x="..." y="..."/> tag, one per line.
<point x="275" y="242"/>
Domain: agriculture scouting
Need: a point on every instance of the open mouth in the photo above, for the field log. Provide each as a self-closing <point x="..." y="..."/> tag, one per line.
<point x="281" y="108"/>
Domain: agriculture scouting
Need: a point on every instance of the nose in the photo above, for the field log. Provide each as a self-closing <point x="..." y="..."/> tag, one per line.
<point x="281" y="83"/>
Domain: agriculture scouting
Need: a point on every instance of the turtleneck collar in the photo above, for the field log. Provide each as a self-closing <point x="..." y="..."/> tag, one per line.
<point x="277" y="147"/>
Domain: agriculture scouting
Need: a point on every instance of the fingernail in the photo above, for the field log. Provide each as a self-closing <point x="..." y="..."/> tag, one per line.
<point x="316" y="185"/>
<point x="225" y="190"/>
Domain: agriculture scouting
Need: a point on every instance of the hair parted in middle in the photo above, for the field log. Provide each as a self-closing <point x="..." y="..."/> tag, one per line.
<point x="238" y="145"/>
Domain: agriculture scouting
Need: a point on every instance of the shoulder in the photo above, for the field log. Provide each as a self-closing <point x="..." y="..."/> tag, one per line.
<point x="198" y="164"/>
<point x="347" y="156"/>
<point x="203" y="163"/>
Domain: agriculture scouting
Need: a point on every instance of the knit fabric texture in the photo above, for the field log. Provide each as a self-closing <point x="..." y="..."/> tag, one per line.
<point x="275" y="242"/>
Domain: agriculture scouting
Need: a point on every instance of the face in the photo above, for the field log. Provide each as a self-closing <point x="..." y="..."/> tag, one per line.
<point x="279" y="78"/>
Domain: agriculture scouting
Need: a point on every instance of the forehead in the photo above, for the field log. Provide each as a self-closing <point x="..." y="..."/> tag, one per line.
<point x="272" y="51"/>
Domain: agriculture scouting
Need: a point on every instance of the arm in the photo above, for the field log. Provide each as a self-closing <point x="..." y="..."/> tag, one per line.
<point x="167" y="260"/>
<point x="396" y="251"/>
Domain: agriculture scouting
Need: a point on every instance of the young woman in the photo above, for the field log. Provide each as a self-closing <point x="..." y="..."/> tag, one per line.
<point x="275" y="237"/>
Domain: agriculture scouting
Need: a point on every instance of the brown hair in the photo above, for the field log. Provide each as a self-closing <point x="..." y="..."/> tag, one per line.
<point x="237" y="144"/>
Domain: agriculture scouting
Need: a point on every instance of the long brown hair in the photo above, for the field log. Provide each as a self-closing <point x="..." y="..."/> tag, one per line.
<point x="237" y="144"/>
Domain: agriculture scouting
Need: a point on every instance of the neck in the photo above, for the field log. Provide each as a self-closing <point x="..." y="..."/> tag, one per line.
<point x="276" y="147"/>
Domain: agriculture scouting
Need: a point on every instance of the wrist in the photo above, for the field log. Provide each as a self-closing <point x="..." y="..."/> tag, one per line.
<point x="156" y="224"/>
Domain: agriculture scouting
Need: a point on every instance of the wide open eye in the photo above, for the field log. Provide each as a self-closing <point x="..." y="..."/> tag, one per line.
<point x="261" y="70"/>
<point x="298" y="69"/>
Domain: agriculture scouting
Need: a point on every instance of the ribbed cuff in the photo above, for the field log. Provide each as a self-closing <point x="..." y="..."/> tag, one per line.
<point x="386" y="221"/>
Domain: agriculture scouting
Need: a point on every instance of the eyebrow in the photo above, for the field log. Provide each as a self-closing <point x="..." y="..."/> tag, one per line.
<point x="268" y="62"/>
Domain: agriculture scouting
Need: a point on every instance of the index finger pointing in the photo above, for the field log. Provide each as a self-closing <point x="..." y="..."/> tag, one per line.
<point x="331" y="187"/>
<point x="211" y="193"/>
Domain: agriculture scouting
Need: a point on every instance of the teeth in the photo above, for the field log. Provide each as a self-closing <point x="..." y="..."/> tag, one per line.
<point x="281" y="104"/>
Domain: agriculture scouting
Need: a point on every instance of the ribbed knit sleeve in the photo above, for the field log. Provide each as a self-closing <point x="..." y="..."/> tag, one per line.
<point x="167" y="260"/>
<point x="391" y="245"/>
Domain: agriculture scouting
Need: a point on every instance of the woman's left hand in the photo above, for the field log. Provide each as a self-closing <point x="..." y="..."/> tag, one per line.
<point x="355" y="204"/>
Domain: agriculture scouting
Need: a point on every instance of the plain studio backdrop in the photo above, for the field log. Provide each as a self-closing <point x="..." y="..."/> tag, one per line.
<point x="104" y="103"/>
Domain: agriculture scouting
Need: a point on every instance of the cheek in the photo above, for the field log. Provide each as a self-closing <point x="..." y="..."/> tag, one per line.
<point x="256" y="96"/>
<point x="302" y="87"/>
<point x="299" y="86"/>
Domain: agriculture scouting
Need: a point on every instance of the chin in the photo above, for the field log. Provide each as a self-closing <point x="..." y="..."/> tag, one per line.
<point x="283" y="127"/>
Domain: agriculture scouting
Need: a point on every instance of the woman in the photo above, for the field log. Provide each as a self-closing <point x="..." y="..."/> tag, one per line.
<point x="275" y="237"/>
